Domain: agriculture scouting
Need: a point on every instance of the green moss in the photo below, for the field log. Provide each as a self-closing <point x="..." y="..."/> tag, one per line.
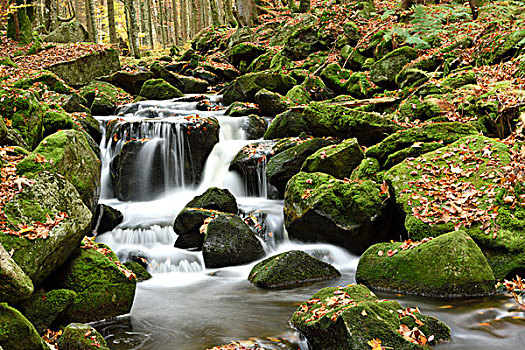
<point x="290" y="269"/>
<point x="287" y="124"/>
<point x="299" y="95"/>
<point x="460" y="79"/>
<point x="6" y="61"/>
<point x="44" y="308"/>
<point x="244" y="88"/>
<point x="74" y="338"/>
<point x="52" y="82"/>
<point x="261" y="63"/>
<point x="383" y="73"/>
<point x="215" y="199"/>
<point x="55" y="120"/>
<point x="159" y="89"/>
<point x="451" y="265"/>
<point x="358" y="85"/>
<point x="16" y="332"/>
<point x="368" y="169"/>
<point x="139" y="271"/>
<point x="335" y="77"/>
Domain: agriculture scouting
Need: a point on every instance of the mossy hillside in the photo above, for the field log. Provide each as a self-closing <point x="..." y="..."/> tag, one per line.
<point x="102" y="289"/>
<point x="321" y="208"/>
<point x="68" y="153"/>
<point x="451" y="265"/>
<point x="503" y="234"/>
<point x="290" y="269"/>
<point x="336" y="160"/>
<point x="352" y="316"/>
<point x="25" y="112"/>
<point x="414" y="137"/>
<point x="78" y="336"/>
<point x="49" y="195"/>
<point x="159" y="89"/>
<point x="328" y="120"/>
<point x="53" y="82"/>
<point x="16" y="332"/>
<point x="44" y="308"/>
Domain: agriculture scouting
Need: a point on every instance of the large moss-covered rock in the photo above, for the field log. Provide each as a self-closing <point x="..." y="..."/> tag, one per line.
<point x="330" y="120"/>
<point x="78" y="336"/>
<point x="465" y="181"/>
<point x="131" y="82"/>
<point x="25" y="112"/>
<point x="68" y="32"/>
<point x="244" y="88"/>
<point x="58" y="119"/>
<point x="245" y="52"/>
<point x="140" y="271"/>
<point x="420" y="108"/>
<point x="299" y="95"/>
<point x="337" y="160"/>
<point x="192" y="85"/>
<point x="102" y="97"/>
<point x="50" y="80"/>
<point x="229" y="241"/>
<point x="335" y="77"/>
<point x="302" y="42"/>
<point x="254" y="127"/>
<point x="159" y="89"/>
<point x="215" y="199"/>
<point x="242" y="109"/>
<point x="351" y="214"/>
<point x="67" y="153"/>
<point x="16" y="332"/>
<point x="87" y="68"/>
<point x="286" y="164"/>
<point x="104" y="288"/>
<point x="291" y="269"/>
<point x="342" y="318"/>
<point x="16" y="286"/>
<point x="383" y="73"/>
<point x="187" y="226"/>
<point x="45" y="308"/>
<point x="451" y="265"/>
<point x="272" y="103"/>
<point x="390" y="151"/>
<point x="48" y="195"/>
<point x="161" y="72"/>
<point x="287" y="124"/>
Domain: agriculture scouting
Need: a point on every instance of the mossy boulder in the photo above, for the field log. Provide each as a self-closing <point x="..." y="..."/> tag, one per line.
<point x="139" y="270"/>
<point x="459" y="79"/>
<point x="45" y="308"/>
<point x="336" y="160"/>
<point x="358" y="86"/>
<point x="286" y="164"/>
<point x="161" y="72"/>
<point x="302" y="42"/>
<point x="229" y="241"/>
<point x="187" y="226"/>
<point x="254" y="127"/>
<point x="260" y="63"/>
<point x="272" y="103"/>
<point x="159" y="89"/>
<point x="411" y="77"/>
<point x="448" y="266"/>
<point x="58" y="119"/>
<point x="383" y="73"/>
<point x="67" y="153"/>
<point x="50" y="80"/>
<point x="215" y="199"/>
<point x="16" y="286"/>
<point x="350" y="317"/>
<point x="244" y="88"/>
<point x="298" y="95"/>
<point x="245" y="52"/>
<point x="506" y="48"/>
<point x="335" y="77"/>
<point x="102" y="97"/>
<point x="192" y="85"/>
<point x="352" y="58"/>
<point x="351" y="214"/>
<point x="422" y="109"/>
<point x="368" y="169"/>
<point x="324" y="119"/>
<point x="291" y="269"/>
<point x="131" y="82"/>
<point x="473" y="162"/>
<point x="68" y="32"/>
<point x="25" y="112"/>
<point x="389" y="151"/>
<point x="78" y="336"/>
<point x="287" y="124"/>
<point x="241" y="109"/>
<point x="103" y="288"/>
<point x="48" y="195"/>
<point x="16" y="332"/>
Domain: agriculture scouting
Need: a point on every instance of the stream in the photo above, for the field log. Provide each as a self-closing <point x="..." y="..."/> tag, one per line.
<point x="187" y="307"/>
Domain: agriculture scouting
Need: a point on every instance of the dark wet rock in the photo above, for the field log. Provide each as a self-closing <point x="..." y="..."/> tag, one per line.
<point x="383" y="73"/>
<point x="17" y="333"/>
<point x="254" y="127"/>
<point x="351" y="214"/>
<point x="187" y="226"/>
<point x="130" y="82"/>
<point x="241" y="109"/>
<point x="451" y="265"/>
<point x="102" y="97"/>
<point x="215" y="199"/>
<point x="107" y="218"/>
<point x="228" y="241"/>
<point x="245" y="52"/>
<point x="291" y="269"/>
<point x="288" y="124"/>
<point x="209" y="77"/>
<point x="272" y="103"/>
<point x="74" y="338"/>
<point x="193" y="85"/>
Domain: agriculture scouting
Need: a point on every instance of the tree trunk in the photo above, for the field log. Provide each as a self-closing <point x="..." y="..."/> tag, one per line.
<point x="215" y="18"/>
<point x="184" y="20"/>
<point x="19" y="25"/>
<point x="143" y="23"/>
<point x="228" y="11"/>
<point x="111" y="22"/>
<point x="90" y="18"/>
<point x="245" y="12"/>
<point x="132" y="25"/>
<point x="304" y="6"/>
<point x="175" y="21"/>
<point x="150" y="24"/>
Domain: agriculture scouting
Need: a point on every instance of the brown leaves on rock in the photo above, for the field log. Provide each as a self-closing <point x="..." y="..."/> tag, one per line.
<point x="89" y="243"/>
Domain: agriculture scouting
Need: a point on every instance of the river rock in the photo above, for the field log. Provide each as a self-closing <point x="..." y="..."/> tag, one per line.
<point x="448" y="266"/>
<point x="350" y="214"/>
<point x="336" y="160"/>
<point x="87" y="68"/>
<point x="58" y="119"/>
<point x="272" y="103"/>
<point x="159" y="89"/>
<point x="187" y="226"/>
<point x="131" y="82"/>
<point x="302" y="42"/>
<point x="78" y="336"/>
<point x="215" y="199"/>
<point x="102" y="97"/>
<point x="254" y="127"/>
<point x="291" y="269"/>
<point x="330" y="120"/>
<point x="288" y="124"/>
<point x="104" y="288"/>
<point x="242" y="109"/>
<point x="49" y="195"/>
<point x="193" y="85"/>
<point x="67" y="153"/>
<point x="44" y="308"/>
<point x="350" y="317"/>
<point x="139" y="270"/>
<point x="383" y="73"/>
<point x="16" y="332"/>
<point x="68" y="32"/>
<point x="25" y="112"/>
<point x="335" y="77"/>
<point x="414" y="141"/>
<point x="16" y="286"/>
<point x="244" y="88"/>
<point x="228" y="241"/>
<point x="283" y="166"/>
<point x="107" y="218"/>
<point x="488" y="214"/>
<point x="161" y="72"/>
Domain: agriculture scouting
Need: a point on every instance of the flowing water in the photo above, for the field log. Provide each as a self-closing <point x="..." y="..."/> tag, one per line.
<point x="188" y="307"/>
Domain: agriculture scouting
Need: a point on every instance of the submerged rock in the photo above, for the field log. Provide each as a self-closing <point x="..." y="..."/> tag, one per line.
<point x="451" y="265"/>
<point x="351" y="317"/>
<point x="291" y="269"/>
<point x="78" y="336"/>
<point x="16" y="286"/>
<point x="228" y="241"/>
<point x="16" y="332"/>
<point x="351" y="214"/>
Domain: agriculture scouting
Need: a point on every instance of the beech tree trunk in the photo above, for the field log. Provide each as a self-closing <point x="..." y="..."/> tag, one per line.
<point x="245" y="12"/>
<point x="228" y="11"/>
<point x="132" y="25"/>
<point x="304" y="6"/>
<point x="19" y="26"/>
<point x="214" y="9"/>
<point x="150" y="24"/>
<point x="90" y="19"/>
<point x="111" y="22"/>
<point x="175" y="21"/>
<point x="184" y="19"/>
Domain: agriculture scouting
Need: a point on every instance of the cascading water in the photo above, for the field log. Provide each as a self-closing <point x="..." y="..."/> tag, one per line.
<point x="185" y="306"/>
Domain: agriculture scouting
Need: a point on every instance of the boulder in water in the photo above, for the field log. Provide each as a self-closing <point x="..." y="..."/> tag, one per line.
<point x="17" y="333"/>
<point x="228" y="241"/>
<point x="291" y="269"/>
<point x="215" y="199"/>
<point x="254" y="127"/>
<point x="451" y="265"/>
<point x="107" y="218"/>
<point x="102" y="97"/>
<point x="241" y="109"/>
<point x="140" y="271"/>
<point x="16" y="286"/>
<point x="287" y="124"/>
<point x="78" y="336"/>
<point x="187" y="226"/>
<point x="159" y="89"/>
